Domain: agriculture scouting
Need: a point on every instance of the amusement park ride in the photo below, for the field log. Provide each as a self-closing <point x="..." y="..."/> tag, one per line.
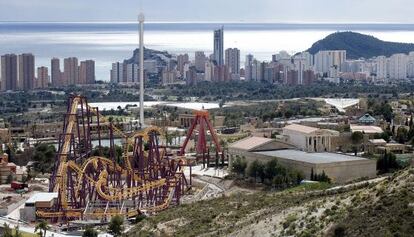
<point x="145" y="180"/>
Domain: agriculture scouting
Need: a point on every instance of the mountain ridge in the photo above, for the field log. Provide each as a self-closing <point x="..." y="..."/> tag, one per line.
<point x="360" y="45"/>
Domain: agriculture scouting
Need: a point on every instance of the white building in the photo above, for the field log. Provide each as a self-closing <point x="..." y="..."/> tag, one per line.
<point x="310" y="139"/>
<point x="208" y="71"/>
<point x="281" y="55"/>
<point x="398" y="66"/>
<point x="301" y="65"/>
<point x="257" y="71"/>
<point x="308" y="59"/>
<point x="328" y="61"/>
<point x="117" y="72"/>
<point x="410" y="65"/>
<point x="132" y="73"/>
<point x="169" y="77"/>
<point x="381" y="67"/>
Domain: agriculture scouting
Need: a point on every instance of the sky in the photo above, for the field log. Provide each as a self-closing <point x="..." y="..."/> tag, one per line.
<point x="303" y="11"/>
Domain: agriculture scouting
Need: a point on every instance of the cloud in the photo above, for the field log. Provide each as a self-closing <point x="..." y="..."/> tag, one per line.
<point x="210" y="10"/>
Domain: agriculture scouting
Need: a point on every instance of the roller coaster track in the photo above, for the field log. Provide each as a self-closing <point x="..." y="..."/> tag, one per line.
<point x="106" y="178"/>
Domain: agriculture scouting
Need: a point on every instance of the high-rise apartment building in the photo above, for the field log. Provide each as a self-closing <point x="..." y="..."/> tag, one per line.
<point x="248" y="67"/>
<point x="26" y="72"/>
<point x="410" y="65"/>
<point x="232" y="60"/>
<point x="208" y="71"/>
<point x="132" y="73"/>
<point x="87" y="72"/>
<point x="381" y="67"/>
<point x="191" y="76"/>
<point x="42" y="77"/>
<point x="70" y="71"/>
<point x="55" y="72"/>
<point x="9" y="72"/>
<point x="199" y="60"/>
<point x="327" y="61"/>
<point x="398" y="66"/>
<point x="182" y="59"/>
<point x="219" y="46"/>
<point x="118" y="72"/>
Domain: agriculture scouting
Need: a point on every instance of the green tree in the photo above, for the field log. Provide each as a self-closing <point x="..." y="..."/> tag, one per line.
<point x="17" y="232"/>
<point x="90" y="232"/>
<point x="42" y="227"/>
<point x="271" y="169"/>
<point x="239" y="165"/>
<point x="7" y="231"/>
<point x="116" y="225"/>
<point x="387" y="162"/>
<point x="402" y="135"/>
<point x="357" y="138"/>
<point x="44" y="157"/>
<point x="254" y="169"/>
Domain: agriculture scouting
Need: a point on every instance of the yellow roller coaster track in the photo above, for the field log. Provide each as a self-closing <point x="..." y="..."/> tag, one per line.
<point x="105" y="193"/>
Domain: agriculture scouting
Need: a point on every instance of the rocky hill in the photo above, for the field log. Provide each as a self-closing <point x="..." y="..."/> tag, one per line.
<point x="161" y="57"/>
<point x="359" y="45"/>
<point x="381" y="207"/>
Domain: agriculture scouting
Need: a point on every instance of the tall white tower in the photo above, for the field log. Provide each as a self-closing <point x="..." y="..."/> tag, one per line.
<point x="141" y="19"/>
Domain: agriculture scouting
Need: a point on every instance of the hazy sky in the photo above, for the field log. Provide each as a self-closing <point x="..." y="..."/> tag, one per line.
<point x="400" y="11"/>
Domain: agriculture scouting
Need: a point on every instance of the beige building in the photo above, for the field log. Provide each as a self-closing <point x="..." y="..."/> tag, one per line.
<point x="370" y="130"/>
<point x="251" y="144"/>
<point x="338" y="167"/>
<point x="310" y="139"/>
<point x="380" y="146"/>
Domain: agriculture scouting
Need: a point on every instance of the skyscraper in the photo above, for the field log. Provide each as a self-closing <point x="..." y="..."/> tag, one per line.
<point x="182" y="59"/>
<point x="70" y="71"/>
<point x="26" y="71"/>
<point x="118" y="72"/>
<point x="233" y="60"/>
<point x="248" y="67"/>
<point x="87" y="72"/>
<point x="55" y="72"/>
<point x="208" y="71"/>
<point x="219" y="46"/>
<point x="326" y="60"/>
<point x="381" y="67"/>
<point x="200" y="60"/>
<point x="42" y="77"/>
<point x="398" y="66"/>
<point x="132" y="73"/>
<point x="8" y="74"/>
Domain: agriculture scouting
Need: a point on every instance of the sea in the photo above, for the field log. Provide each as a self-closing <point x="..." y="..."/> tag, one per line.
<point x="108" y="42"/>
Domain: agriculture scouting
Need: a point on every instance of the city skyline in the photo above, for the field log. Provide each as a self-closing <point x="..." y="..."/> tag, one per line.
<point x="352" y="11"/>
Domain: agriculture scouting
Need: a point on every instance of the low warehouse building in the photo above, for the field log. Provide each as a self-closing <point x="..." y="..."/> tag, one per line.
<point x="251" y="144"/>
<point x="339" y="168"/>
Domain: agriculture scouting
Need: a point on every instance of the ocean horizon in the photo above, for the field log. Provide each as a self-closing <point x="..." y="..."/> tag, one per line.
<point x="108" y="42"/>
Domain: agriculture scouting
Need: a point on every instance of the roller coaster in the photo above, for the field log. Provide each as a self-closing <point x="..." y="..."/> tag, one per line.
<point x="144" y="179"/>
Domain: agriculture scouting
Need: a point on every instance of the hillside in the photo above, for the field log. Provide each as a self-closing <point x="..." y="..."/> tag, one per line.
<point x="383" y="207"/>
<point x="359" y="45"/>
<point x="150" y="54"/>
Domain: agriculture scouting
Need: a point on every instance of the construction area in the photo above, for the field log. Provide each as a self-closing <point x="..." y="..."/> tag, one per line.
<point x="88" y="186"/>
